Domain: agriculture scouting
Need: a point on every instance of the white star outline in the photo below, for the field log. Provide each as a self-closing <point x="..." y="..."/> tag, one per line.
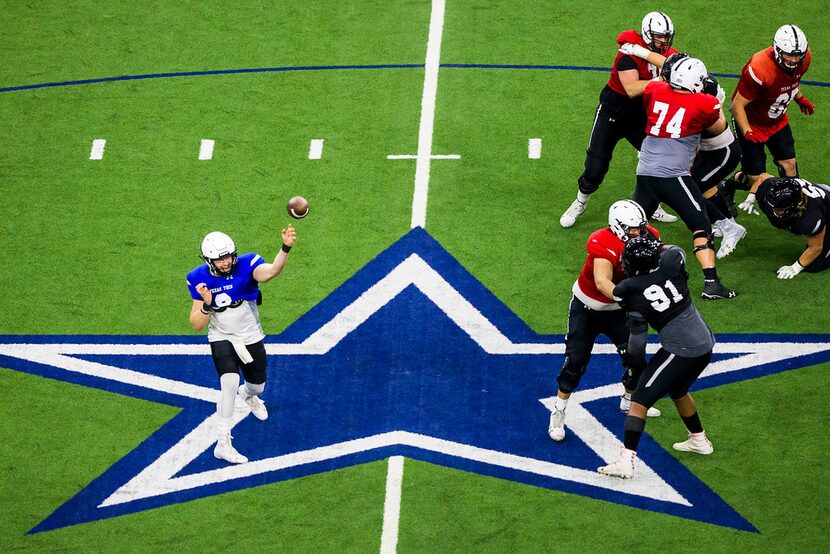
<point x="160" y="476"/>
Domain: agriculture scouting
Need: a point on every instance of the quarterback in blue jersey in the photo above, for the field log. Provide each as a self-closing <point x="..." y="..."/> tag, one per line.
<point x="225" y="293"/>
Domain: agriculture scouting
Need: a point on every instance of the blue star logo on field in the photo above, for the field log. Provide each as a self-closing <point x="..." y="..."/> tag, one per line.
<point x="413" y="357"/>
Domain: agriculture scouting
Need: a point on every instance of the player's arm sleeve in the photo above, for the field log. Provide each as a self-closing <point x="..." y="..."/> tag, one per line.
<point x="638" y="337"/>
<point x="625" y="63"/>
<point x="192" y="288"/>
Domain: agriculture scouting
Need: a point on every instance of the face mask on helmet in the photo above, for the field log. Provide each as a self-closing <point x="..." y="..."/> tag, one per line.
<point x="785" y="199"/>
<point x="641" y="256"/>
<point x="216" y="246"/>
<point x="665" y="71"/>
<point x="658" y="32"/>
<point x="688" y="74"/>
<point x="789" y="42"/>
<point x="625" y="215"/>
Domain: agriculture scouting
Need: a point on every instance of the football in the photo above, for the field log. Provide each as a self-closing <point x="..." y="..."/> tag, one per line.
<point x="297" y="207"/>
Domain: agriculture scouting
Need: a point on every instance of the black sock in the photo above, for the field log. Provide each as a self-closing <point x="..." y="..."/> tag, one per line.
<point x="710" y="274"/>
<point x="692" y="423"/>
<point x="633" y="430"/>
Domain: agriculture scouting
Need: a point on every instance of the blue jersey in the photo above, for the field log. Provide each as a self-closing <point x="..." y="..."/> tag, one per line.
<point x="231" y="290"/>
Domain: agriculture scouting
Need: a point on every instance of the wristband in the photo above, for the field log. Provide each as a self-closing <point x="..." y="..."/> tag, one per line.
<point x="798" y="261"/>
<point x="206" y="309"/>
<point x="285" y="248"/>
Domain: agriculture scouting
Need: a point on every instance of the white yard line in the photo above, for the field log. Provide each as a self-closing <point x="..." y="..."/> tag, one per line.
<point x="534" y="148"/>
<point x="392" y="506"/>
<point x="315" y="149"/>
<point x="206" y="149"/>
<point x="415" y="157"/>
<point x="97" y="152"/>
<point x="419" y="197"/>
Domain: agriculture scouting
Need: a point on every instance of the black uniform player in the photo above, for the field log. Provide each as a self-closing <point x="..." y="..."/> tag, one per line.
<point x="801" y="208"/>
<point x="656" y="293"/>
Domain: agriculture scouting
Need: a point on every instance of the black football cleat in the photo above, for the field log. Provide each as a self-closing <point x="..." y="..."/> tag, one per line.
<point x="714" y="290"/>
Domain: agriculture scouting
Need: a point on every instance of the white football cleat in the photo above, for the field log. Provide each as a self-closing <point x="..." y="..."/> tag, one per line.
<point x="256" y="405"/>
<point x="622" y="467"/>
<point x="574" y="211"/>
<point x="625" y="404"/>
<point x="698" y="443"/>
<point x="663" y="216"/>
<point x="224" y="450"/>
<point x="556" y="428"/>
<point x="732" y="234"/>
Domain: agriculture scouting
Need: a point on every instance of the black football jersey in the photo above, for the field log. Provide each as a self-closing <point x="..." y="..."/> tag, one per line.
<point x="815" y="215"/>
<point x="660" y="296"/>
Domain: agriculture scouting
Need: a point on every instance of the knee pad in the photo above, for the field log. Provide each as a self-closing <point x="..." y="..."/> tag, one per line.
<point x="710" y="243"/>
<point x="783" y="172"/>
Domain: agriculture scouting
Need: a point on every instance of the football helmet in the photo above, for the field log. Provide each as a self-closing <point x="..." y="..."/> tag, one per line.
<point x="710" y="86"/>
<point x="688" y="74"/>
<point x="789" y="39"/>
<point x="785" y="199"/>
<point x="217" y="245"/>
<point x="641" y="256"/>
<point x="624" y="215"/>
<point x="665" y="71"/>
<point x="657" y="23"/>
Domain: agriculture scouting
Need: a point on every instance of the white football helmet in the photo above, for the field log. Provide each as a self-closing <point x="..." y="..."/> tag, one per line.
<point x="217" y="245"/>
<point x="657" y="23"/>
<point x="688" y="74"/>
<point x="789" y="39"/>
<point x="624" y="215"/>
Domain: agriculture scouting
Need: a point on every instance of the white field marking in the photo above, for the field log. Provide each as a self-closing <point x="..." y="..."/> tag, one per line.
<point x="315" y="149"/>
<point x="160" y="477"/>
<point x="206" y="149"/>
<point x="47" y="354"/>
<point x="415" y="157"/>
<point x="392" y="506"/>
<point x="534" y="148"/>
<point x="419" y="196"/>
<point x="97" y="152"/>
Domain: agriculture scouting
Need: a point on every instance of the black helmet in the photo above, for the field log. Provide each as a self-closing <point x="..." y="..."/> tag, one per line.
<point x="641" y="255"/>
<point x="785" y="199"/>
<point x="710" y="86"/>
<point x="665" y="71"/>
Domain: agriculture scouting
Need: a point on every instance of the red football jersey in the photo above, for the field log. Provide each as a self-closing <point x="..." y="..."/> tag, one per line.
<point x="769" y="89"/>
<point x="646" y="70"/>
<point x="604" y="244"/>
<point x="673" y="114"/>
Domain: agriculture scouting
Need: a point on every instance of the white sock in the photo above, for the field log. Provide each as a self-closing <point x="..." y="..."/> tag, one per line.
<point x="560" y="403"/>
<point x="229" y="382"/>
<point x="223" y="427"/>
<point x="253" y="390"/>
<point x="582" y="197"/>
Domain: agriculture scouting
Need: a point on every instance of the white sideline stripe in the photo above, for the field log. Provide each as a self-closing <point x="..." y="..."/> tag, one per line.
<point x="534" y="148"/>
<point x="315" y="149"/>
<point x="392" y="506"/>
<point x="97" y="152"/>
<point x="415" y="157"/>
<point x="419" y="196"/>
<point x="206" y="149"/>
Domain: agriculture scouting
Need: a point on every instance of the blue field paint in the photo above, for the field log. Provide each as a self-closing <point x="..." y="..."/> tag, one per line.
<point x="329" y="68"/>
<point x="412" y="378"/>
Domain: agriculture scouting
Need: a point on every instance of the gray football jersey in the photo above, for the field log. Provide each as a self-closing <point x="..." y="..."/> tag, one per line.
<point x="667" y="157"/>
